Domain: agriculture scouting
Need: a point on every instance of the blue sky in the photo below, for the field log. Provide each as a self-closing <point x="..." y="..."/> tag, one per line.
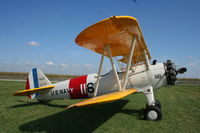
<point x="41" y="33"/>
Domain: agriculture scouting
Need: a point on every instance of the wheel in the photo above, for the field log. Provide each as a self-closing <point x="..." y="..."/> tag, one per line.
<point x="157" y="103"/>
<point x="153" y="113"/>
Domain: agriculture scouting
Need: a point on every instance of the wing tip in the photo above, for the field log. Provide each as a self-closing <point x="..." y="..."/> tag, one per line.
<point x="32" y="91"/>
<point x="18" y="93"/>
<point x="70" y="106"/>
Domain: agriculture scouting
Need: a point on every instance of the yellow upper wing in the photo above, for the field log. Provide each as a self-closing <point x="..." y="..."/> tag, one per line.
<point x="118" y="32"/>
<point x="32" y="91"/>
<point x="104" y="98"/>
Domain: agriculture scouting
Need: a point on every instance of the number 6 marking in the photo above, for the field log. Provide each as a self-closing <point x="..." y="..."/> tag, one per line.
<point x="90" y="87"/>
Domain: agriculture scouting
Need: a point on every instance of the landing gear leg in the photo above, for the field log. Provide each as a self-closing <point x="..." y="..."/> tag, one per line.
<point x="157" y="103"/>
<point x="153" y="110"/>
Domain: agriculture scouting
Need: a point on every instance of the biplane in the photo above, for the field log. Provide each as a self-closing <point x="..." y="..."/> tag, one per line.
<point x="114" y="37"/>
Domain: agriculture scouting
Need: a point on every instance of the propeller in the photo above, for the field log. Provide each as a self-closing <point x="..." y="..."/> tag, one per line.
<point x="181" y="70"/>
<point x="172" y="72"/>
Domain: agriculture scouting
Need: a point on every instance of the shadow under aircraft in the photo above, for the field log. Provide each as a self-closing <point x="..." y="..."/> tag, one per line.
<point x="84" y="120"/>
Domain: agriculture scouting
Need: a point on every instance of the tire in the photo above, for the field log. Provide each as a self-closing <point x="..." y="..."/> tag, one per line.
<point x="157" y="103"/>
<point x="153" y="113"/>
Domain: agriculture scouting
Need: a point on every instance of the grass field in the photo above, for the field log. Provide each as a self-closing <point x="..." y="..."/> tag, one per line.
<point x="180" y="107"/>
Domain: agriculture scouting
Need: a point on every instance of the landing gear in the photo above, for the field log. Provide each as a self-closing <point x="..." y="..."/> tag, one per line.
<point x="153" y="108"/>
<point x="153" y="113"/>
<point x="157" y="103"/>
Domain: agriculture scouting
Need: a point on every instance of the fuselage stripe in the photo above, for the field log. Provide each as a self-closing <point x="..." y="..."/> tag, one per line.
<point x="77" y="87"/>
<point x="82" y="89"/>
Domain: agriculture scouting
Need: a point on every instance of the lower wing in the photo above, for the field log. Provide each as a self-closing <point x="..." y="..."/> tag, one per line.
<point x="104" y="98"/>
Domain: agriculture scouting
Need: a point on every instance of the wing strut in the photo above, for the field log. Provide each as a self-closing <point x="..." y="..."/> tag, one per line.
<point x="113" y="67"/>
<point x="106" y="47"/>
<point x="148" y="64"/>
<point x="99" y="72"/>
<point x="146" y="59"/>
<point x="129" y="61"/>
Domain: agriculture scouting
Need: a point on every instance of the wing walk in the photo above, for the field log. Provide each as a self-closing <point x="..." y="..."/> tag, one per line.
<point x="104" y="98"/>
<point x="32" y="91"/>
<point x="118" y="32"/>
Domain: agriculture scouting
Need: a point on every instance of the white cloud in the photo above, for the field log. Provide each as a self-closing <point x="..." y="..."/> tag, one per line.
<point x="88" y="65"/>
<point x="33" y="43"/>
<point x="63" y="65"/>
<point x="49" y="63"/>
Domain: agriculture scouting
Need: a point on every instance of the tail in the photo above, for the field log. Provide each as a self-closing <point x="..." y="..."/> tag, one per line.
<point x="36" y="79"/>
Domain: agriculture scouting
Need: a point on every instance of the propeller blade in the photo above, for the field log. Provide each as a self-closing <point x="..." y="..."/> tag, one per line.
<point x="182" y="70"/>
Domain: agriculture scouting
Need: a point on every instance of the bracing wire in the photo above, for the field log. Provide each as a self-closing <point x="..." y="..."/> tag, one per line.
<point x="118" y="63"/>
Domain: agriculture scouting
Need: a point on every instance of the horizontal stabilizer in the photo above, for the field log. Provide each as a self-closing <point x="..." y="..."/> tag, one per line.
<point x="104" y="98"/>
<point x="32" y="91"/>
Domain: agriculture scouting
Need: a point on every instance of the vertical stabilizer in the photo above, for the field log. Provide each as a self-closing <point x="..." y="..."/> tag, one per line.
<point x="36" y="79"/>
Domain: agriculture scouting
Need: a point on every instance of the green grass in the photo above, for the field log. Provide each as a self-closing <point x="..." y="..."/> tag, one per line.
<point x="180" y="107"/>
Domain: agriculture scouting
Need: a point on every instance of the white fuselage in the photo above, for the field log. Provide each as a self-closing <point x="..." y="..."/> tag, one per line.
<point x="139" y="77"/>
